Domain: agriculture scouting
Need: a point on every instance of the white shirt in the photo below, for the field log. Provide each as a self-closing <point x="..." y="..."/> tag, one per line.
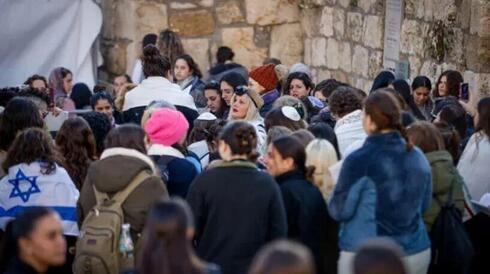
<point x="349" y="129"/>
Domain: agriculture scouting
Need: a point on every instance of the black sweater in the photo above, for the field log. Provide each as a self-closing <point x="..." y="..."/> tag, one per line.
<point x="237" y="210"/>
<point x="309" y="221"/>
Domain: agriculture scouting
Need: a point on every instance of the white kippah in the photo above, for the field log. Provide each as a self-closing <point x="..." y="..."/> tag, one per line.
<point x="291" y="113"/>
<point x="207" y="116"/>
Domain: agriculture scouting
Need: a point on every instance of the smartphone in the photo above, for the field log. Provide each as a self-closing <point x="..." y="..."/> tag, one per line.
<point x="465" y="93"/>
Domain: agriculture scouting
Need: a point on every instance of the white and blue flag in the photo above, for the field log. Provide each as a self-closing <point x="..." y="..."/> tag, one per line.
<point x="25" y="187"/>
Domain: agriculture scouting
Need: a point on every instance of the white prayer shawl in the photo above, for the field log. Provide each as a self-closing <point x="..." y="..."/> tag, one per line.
<point x="157" y="89"/>
<point x="349" y="130"/>
<point x="25" y="187"/>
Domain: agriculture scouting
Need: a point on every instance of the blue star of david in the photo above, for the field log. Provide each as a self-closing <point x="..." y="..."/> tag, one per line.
<point x="17" y="192"/>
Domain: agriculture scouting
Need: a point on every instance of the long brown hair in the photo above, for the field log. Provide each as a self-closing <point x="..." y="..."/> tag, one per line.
<point x="76" y="144"/>
<point x="170" y="45"/>
<point x="31" y="145"/>
<point x="426" y="136"/>
<point x="166" y="249"/>
<point x="384" y="110"/>
<point x="454" y="79"/>
<point x="483" y="124"/>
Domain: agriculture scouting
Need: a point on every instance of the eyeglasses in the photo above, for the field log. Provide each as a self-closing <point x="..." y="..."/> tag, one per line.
<point x="240" y="90"/>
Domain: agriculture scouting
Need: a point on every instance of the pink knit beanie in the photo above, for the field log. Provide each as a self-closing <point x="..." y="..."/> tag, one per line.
<point x="166" y="126"/>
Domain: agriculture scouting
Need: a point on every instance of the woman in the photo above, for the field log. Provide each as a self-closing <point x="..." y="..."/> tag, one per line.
<point x="306" y="211"/>
<point x="448" y="84"/>
<point x="224" y="65"/>
<point x="80" y="96"/>
<point x="37" y="81"/>
<point x="100" y="126"/>
<point x="166" y="246"/>
<point x="321" y="155"/>
<point x="76" y="144"/>
<point x="421" y="87"/>
<point x="299" y="85"/>
<point x="287" y="100"/>
<point x="201" y="137"/>
<point x="383" y="188"/>
<point x="157" y="86"/>
<point x="345" y="106"/>
<point x="473" y="164"/>
<point x="322" y="130"/>
<point x="403" y="89"/>
<point x="264" y="81"/>
<point x="382" y="80"/>
<point x="137" y="75"/>
<point x="188" y="76"/>
<point x="228" y="83"/>
<point x="245" y="106"/>
<point x="231" y="226"/>
<point x="283" y="257"/>
<point x="33" y="243"/>
<point x="170" y="45"/>
<point x="102" y="102"/>
<point x="123" y="159"/>
<point x="284" y="116"/>
<point x="19" y="114"/>
<point x="166" y="132"/>
<point x="214" y="100"/>
<point x="445" y="177"/>
<point x="61" y="83"/>
<point x="451" y="140"/>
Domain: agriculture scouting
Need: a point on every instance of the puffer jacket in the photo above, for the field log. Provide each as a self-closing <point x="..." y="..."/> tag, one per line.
<point x="444" y="174"/>
<point x="112" y="173"/>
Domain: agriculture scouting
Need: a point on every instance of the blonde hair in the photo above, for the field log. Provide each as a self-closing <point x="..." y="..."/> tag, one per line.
<point x="321" y="154"/>
<point x="253" y="113"/>
<point x="119" y="102"/>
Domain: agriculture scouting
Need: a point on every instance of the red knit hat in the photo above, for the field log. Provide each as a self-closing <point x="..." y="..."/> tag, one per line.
<point x="265" y="76"/>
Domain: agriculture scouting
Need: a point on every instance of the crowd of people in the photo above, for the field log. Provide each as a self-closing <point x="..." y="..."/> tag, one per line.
<point x="178" y="170"/>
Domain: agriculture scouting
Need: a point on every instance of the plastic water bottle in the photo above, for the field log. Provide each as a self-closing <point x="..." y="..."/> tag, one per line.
<point x="126" y="246"/>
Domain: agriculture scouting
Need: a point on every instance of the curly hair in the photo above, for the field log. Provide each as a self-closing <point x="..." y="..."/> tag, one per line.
<point x="100" y="125"/>
<point x="76" y="144"/>
<point x="19" y="114"/>
<point x="35" y="77"/>
<point x="32" y="145"/>
<point x="344" y="100"/>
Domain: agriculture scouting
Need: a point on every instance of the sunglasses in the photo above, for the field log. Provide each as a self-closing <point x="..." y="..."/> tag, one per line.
<point x="240" y="90"/>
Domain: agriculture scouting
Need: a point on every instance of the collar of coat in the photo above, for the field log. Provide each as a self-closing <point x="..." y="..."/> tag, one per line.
<point x="117" y="151"/>
<point x="157" y="149"/>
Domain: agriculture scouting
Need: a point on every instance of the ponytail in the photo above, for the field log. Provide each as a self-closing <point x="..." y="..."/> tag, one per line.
<point x="403" y="132"/>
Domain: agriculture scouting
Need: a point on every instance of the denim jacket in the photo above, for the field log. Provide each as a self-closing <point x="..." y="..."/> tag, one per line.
<point x="382" y="191"/>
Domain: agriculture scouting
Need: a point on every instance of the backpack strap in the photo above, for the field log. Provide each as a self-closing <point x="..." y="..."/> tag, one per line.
<point x="121" y="196"/>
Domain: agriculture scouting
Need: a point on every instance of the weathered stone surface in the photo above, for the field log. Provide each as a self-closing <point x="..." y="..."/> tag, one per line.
<point x="360" y="58"/>
<point x="457" y="47"/>
<point x="192" y="23"/>
<point x="182" y="6"/>
<point x="241" y="41"/>
<point x="114" y="52"/>
<point x="373" y="31"/>
<point x="429" y="69"/>
<point x="341" y="76"/>
<point x="323" y="74"/>
<point x="367" y="86"/>
<point x="309" y="21"/>
<point x="412" y="37"/>
<point x="206" y="3"/>
<point x="262" y="36"/>
<point x="287" y="43"/>
<point x="271" y="11"/>
<point x="333" y="54"/>
<point x="367" y="5"/>
<point x="482" y="84"/>
<point x="485" y="20"/>
<point x="444" y="9"/>
<point x="375" y="63"/>
<point x="345" y="57"/>
<point x="198" y="48"/>
<point x="307" y="52"/>
<point x="354" y="26"/>
<point x="326" y="22"/>
<point x="229" y="12"/>
<point x="318" y="52"/>
<point x="344" y="3"/>
<point x="339" y="23"/>
<point x="415" y="64"/>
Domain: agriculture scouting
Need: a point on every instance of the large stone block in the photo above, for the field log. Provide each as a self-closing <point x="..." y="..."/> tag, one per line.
<point x="333" y="54"/>
<point x="457" y="46"/>
<point x="182" y="5"/>
<point x="345" y="57"/>
<point x="415" y="65"/>
<point x="373" y="31"/>
<point x="206" y="3"/>
<point x="323" y="74"/>
<point x="375" y="63"/>
<point x="287" y="43"/>
<point x="318" y="52"/>
<point x="269" y="12"/>
<point x="198" y="48"/>
<point x="344" y="3"/>
<point x="229" y="12"/>
<point x="326" y="22"/>
<point x="192" y="23"/>
<point x="241" y="40"/>
<point x="115" y="57"/>
<point x="367" y="5"/>
<point x="482" y="84"/>
<point x="360" y="61"/>
<point x="309" y="21"/>
<point x="307" y="55"/>
<point x="339" y="23"/>
<point x="444" y="9"/>
<point x="429" y="69"/>
<point x="413" y="35"/>
<point x="354" y="26"/>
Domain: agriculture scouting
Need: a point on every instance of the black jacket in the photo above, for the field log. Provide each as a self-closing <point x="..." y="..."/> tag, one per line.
<point x="237" y="210"/>
<point x="308" y="219"/>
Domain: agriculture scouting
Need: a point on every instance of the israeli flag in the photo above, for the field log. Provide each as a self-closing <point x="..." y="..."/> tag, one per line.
<point x="25" y="187"/>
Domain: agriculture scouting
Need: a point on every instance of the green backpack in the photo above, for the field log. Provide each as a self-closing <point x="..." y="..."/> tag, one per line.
<point x="97" y="249"/>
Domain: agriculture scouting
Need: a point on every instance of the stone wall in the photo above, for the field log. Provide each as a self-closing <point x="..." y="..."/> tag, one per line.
<point x="254" y="29"/>
<point x="344" y="39"/>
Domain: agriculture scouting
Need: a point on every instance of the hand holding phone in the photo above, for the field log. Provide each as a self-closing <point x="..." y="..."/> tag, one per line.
<point x="464" y="93"/>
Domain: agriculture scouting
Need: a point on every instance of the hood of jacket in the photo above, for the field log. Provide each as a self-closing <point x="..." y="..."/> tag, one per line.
<point x="443" y="170"/>
<point x="117" y="167"/>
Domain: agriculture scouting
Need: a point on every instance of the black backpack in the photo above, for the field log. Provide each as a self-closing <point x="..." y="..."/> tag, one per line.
<point x="452" y="250"/>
